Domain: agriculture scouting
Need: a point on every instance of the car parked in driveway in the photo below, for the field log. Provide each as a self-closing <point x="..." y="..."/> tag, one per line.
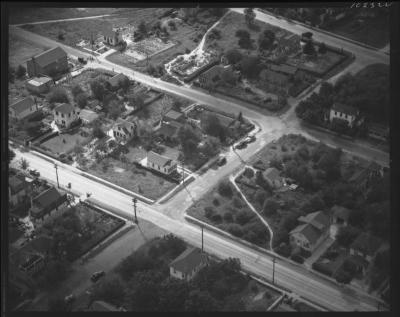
<point x="250" y="139"/>
<point x="240" y="145"/>
<point x="97" y="275"/>
<point x="221" y="161"/>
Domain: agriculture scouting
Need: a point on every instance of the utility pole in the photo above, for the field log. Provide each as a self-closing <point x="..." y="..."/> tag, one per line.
<point x="56" y="167"/>
<point x="273" y="270"/>
<point x="202" y="239"/>
<point x="134" y="200"/>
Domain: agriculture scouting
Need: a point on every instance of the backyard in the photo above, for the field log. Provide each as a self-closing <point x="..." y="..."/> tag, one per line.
<point x="65" y="142"/>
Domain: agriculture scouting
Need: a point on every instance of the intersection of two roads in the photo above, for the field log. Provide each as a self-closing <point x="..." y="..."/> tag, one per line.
<point x="170" y="216"/>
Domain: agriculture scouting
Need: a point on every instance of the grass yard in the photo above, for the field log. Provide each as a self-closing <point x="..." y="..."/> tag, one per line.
<point x="132" y="178"/>
<point x="230" y="214"/>
<point x="57" y="145"/>
<point x="320" y="65"/>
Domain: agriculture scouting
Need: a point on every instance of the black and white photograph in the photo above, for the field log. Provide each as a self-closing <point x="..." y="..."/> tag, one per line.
<point x="198" y="157"/>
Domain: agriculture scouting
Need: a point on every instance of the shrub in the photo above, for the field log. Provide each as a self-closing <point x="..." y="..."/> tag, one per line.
<point x="248" y="172"/>
<point x="242" y="33"/>
<point x="228" y="217"/>
<point x="216" y="202"/>
<point x="20" y="72"/>
<point x="76" y="90"/>
<point x="237" y="202"/>
<point x="225" y="189"/>
<point x="216" y="218"/>
<point x="243" y="217"/>
<point x="283" y="148"/>
<point x="275" y="162"/>
<point x="98" y="132"/>
<point x="81" y="100"/>
<point x="233" y="56"/>
<point x="303" y="153"/>
<point x="261" y="196"/>
<point x="235" y="229"/>
<point x="209" y="212"/>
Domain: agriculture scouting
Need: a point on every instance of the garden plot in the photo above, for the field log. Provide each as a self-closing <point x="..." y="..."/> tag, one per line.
<point x="318" y="65"/>
<point x="147" y="48"/>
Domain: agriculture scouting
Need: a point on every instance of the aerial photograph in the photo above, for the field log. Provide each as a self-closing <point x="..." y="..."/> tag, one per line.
<point x="198" y="159"/>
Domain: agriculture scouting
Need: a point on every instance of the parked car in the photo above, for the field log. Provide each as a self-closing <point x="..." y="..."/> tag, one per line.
<point x="241" y="145"/>
<point x="221" y="161"/>
<point x="34" y="173"/>
<point x="69" y="299"/>
<point x="250" y="139"/>
<point x="97" y="275"/>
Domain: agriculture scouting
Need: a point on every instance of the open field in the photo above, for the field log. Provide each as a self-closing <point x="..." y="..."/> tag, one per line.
<point x="19" y="51"/>
<point x="374" y="31"/>
<point x="132" y="178"/>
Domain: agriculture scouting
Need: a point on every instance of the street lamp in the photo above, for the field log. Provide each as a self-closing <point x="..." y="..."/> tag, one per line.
<point x="56" y="167"/>
<point x="134" y="200"/>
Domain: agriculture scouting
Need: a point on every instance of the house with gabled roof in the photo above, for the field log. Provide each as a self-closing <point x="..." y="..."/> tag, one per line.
<point x="65" y="114"/>
<point x="47" y="201"/>
<point x="343" y="112"/>
<point x="115" y="80"/>
<point x="17" y="189"/>
<point x="188" y="264"/>
<point x="39" y="85"/>
<point x="123" y="130"/>
<point x="314" y="228"/>
<point x="48" y="63"/>
<point x="161" y="163"/>
<point x="23" y="108"/>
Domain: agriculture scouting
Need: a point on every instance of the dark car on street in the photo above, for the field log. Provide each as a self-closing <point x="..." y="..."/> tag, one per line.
<point x="241" y="145"/>
<point x="221" y="161"/>
<point x="34" y="173"/>
<point x="97" y="275"/>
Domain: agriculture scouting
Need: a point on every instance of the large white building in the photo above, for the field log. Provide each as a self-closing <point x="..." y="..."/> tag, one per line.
<point x="65" y="114"/>
<point x="343" y="112"/>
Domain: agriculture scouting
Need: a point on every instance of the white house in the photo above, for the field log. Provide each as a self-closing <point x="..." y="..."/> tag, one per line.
<point x="186" y="265"/>
<point x="343" y="112"/>
<point x="312" y="231"/>
<point x="161" y="163"/>
<point x="65" y="114"/>
<point x="22" y="108"/>
<point x="123" y="129"/>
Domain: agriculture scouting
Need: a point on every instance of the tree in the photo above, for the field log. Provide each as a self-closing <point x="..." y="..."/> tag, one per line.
<point x="322" y="48"/>
<point x="261" y="196"/>
<point x="343" y="277"/>
<point x="249" y="16"/>
<point x="142" y="28"/>
<point x="346" y="236"/>
<point x="98" y="132"/>
<point x="58" y="94"/>
<point x="200" y="300"/>
<point x="76" y="90"/>
<point x="233" y="56"/>
<point x="173" y="294"/>
<point x="20" y="72"/>
<point x="23" y="163"/>
<point x="225" y="189"/>
<point x="115" y="109"/>
<point x="249" y="66"/>
<point x="11" y="155"/>
<point x="243" y="217"/>
<point x="270" y="207"/>
<point x="97" y="88"/>
<point x="266" y="40"/>
<point x="242" y="33"/>
<point x="136" y="101"/>
<point x="81" y="100"/>
<point x="309" y="48"/>
<point x="189" y="140"/>
<point x="124" y="83"/>
<point x="211" y="147"/>
<point x="212" y="126"/>
<point x="177" y="105"/>
<point x="245" y="43"/>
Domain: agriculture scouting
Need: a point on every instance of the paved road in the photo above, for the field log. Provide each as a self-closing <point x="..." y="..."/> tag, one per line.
<point x="293" y="277"/>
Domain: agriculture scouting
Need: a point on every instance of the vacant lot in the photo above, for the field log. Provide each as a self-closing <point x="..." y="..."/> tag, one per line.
<point x="229" y="212"/>
<point x="64" y="143"/>
<point x="132" y="178"/>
